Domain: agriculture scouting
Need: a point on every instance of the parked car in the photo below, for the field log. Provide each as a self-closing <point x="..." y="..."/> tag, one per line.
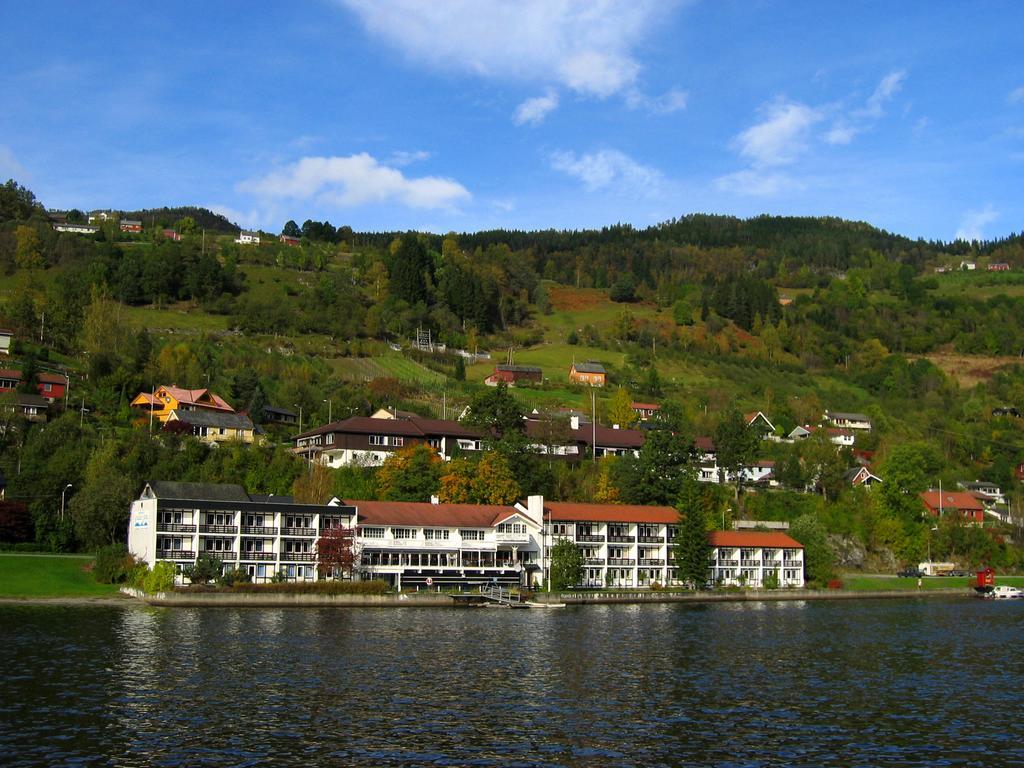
<point x="959" y="572"/>
<point x="911" y="573"/>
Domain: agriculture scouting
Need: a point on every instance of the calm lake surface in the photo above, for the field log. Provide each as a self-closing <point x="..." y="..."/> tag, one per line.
<point x="872" y="683"/>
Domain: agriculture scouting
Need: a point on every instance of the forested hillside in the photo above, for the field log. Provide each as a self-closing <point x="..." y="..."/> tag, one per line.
<point x="710" y="316"/>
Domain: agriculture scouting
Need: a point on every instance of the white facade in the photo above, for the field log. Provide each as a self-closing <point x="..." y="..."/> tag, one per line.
<point x="262" y="538"/>
<point x="756" y="566"/>
<point x="248" y="238"/>
<point x="5" y="342"/>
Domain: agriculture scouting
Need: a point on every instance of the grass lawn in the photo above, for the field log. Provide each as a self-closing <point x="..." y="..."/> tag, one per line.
<point x="26" y="575"/>
<point x="878" y="583"/>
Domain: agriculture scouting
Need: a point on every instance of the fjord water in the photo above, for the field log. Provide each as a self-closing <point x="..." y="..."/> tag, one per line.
<point x="872" y="683"/>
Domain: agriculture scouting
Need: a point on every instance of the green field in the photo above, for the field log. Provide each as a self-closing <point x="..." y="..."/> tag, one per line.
<point x="177" y="318"/>
<point x="887" y="583"/>
<point x="33" y="576"/>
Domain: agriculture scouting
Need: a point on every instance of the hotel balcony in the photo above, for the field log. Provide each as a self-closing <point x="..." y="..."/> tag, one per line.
<point x="259" y="530"/>
<point x="259" y="556"/>
<point x="651" y="561"/>
<point x="512" y="538"/>
<point x="593" y="561"/>
<point x="651" y="539"/>
<point x="622" y="539"/>
<point x="750" y="563"/>
<point x="174" y="528"/>
<point x="298" y="557"/>
<point x="621" y="561"/>
<point x="589" y="537"/>
<point x="728" y="563"/>
<point x="224" y="555"/>
<point x="298" y="531"/>
<point x="175" y="554"/>
<point x="218" y="529"/>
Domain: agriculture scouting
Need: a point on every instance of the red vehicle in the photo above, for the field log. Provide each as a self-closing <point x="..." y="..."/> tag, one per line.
<point x="985" y="581"/>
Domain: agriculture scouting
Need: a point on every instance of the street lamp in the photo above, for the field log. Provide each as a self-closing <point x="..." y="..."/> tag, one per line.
<point x="62" y="501"/>
<point x="330" y="407"/>
<point x="296" y="405"/>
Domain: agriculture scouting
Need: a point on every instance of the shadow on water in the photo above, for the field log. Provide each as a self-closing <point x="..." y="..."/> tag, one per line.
<point x="881" y="683"/>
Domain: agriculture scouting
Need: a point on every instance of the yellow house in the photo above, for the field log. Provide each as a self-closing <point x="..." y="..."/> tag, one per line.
<point x="588" y="373"/>
<point x="214" y="427"/>
<point x="166" y="399"/>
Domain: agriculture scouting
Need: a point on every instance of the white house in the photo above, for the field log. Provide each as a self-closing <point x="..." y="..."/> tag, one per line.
<point x="5" y="341"/>
<point x="848" y="420"/>
<point x="245" y="237"/>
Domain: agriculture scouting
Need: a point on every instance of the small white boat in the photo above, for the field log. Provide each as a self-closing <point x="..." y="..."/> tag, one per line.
<point x="1006" y="593"/>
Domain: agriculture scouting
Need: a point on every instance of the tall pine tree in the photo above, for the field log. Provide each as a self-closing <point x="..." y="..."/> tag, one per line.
<point x="692" y="549"/>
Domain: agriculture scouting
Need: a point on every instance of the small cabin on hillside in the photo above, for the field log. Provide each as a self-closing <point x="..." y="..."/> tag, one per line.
<point x="513" y="374"/>
<point x="590" y="372"/>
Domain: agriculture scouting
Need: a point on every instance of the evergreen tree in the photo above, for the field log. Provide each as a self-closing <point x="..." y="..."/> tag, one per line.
<point x="566" y="565"/>
<point x="692" y="551"/>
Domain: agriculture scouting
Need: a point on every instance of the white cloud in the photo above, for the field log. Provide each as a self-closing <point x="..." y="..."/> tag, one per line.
<point x="609" y="168"/>
<point x="755" y="183"/>
<point x="253" y="219"/>
<point x="10" y="168"/>
<point x="584" y="45"/>
<point x="402" y="158"/>
<point x="841" y="133"/>
<point x="1016" y="96"/>
<point x="889" y="86"/>
<point x="533" y="111"/>
<point x="669" y="102"/>
<point x="781" y="136"/>
<point x="972" y="223"/>
<point x="355" y="180"/>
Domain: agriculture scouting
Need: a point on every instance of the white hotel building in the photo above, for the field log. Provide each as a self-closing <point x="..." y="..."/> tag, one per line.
<point x="414" y="545"/>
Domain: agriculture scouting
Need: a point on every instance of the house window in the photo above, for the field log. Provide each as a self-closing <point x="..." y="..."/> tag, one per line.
<point x="378" y="440"/>
<point x="47" y="387"/>
<point x="397" y="441"/>
<point x="512" y="528"/>
<point x="471" y="535"/>
<point x="403" y="533"/>
<point x="436" y="533"/>
<point x="373" y="533"/>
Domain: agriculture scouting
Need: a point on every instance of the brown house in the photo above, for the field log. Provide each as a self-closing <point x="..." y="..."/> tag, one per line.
<point x="368" y="441"/>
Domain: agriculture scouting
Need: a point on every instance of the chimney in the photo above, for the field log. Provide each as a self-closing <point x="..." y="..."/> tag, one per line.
<point x="535" y="508"/>
<point x="435" y="499"/>
<point x="574" y="421"/>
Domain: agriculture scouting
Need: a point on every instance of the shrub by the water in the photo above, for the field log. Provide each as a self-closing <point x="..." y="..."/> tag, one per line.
<point x="159" y="579"/>
<point x="113" y="564"/>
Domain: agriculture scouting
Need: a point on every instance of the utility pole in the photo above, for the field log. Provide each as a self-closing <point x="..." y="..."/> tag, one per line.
<point x="593" y="423"/>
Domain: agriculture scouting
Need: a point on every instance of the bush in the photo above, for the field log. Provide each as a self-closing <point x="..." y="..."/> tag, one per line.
<point x="205" y="570"/>
<point x="233" y="576"/>
<point x="159" y="579"/>
<point x="113" y="564"/>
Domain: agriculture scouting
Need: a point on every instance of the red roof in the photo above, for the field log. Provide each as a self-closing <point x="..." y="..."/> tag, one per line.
<point x="10" y="373"/>
<point x="645" y="406"/>
<point x="51" y="378"/>
<point x="610" y="513"/>
<point x="753" y="539"/>
<point x="415" y="513"/>
<point x="704" y="444"/>
<point x="194" y="397"/>
<point x="958" y="500"/>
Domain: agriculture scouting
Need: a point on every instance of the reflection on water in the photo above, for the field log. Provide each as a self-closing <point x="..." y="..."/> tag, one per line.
<point x="930" y="682"/>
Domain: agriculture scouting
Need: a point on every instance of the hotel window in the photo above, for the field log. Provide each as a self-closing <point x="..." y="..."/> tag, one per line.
<point x="471" y="535"/>
<point x="512" y="528"/>
<point x="403" y="533"/>
<point x="561" y="529"/>
<point x="436" y="533"/>
<point x="373" y="533"/>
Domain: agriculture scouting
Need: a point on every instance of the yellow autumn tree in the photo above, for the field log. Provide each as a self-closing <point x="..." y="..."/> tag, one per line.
<point x="620" y="409"/>
<point x="488" y="481"/>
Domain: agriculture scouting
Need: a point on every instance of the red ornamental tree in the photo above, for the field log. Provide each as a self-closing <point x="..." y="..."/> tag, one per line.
<point x="335" y="552"/>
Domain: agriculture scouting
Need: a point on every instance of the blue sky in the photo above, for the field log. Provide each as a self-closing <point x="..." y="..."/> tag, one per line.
<point x="467" y="115"/>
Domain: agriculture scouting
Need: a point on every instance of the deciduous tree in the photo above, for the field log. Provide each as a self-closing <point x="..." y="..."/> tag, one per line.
<point x="411" y="474"/>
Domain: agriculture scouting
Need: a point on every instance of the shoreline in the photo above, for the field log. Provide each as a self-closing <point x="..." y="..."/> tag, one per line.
<point x="443" y="600"/>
